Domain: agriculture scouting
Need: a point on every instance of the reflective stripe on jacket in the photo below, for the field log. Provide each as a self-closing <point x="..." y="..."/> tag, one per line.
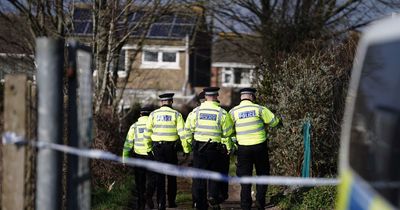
<point x="250" y="119"/>
<point x="165" y="124"/>
<point x="209" y="121"/>
<point x="135" y="139"/>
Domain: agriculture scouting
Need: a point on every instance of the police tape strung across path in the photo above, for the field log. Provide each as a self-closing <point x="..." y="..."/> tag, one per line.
<point x="169" y="169"/>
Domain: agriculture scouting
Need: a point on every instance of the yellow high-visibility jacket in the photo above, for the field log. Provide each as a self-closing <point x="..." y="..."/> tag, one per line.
<point x="250" y="119"/>
<point x="209" y="121"/>
<point x="165" y="124"/>
<point x="134" y="138"/>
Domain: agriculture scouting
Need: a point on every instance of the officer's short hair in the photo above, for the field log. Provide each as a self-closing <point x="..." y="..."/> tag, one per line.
<point x="145" y="110"/>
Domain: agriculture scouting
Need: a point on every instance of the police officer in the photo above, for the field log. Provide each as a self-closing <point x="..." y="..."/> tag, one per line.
<point x="134" y="140"/>
<point x="249" y="122"/>
<point x="163" y="128"/>
<point x="228" y="145"/>
<point x="201" y="98"/>
<point x="208" y="124"/>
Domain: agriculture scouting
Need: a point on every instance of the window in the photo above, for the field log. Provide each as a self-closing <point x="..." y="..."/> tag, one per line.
<point x="160" y="60"/>
<point x="236" y="77"/>
<point x="150" y="56"/>
<point x="374" y="147"/>
<point x="168" y="57"/>
<point x="121" y="60"/>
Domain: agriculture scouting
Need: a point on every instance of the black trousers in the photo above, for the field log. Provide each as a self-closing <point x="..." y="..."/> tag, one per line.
<point x="249" y="156"/>
<point x="224" y="192"/>
<point x="145" y="183"/>
<point x="209" y="158"/>
<point x="165" y="152"/>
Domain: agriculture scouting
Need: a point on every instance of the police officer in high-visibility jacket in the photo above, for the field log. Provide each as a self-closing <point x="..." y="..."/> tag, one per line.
<point x="249" y="123"/>
<point x="209" y="123"/>
<point x="144" y="180"/>
<point x="163" y="129"/>
<point x="201" y="98"/>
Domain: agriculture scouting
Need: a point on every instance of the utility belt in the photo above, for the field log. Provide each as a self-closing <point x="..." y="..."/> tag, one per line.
<point x="173" y="144"/>
<point x="164" y="142"/>
<point x="202" y="146"/>
<point x="141" y="156"/>
<point x="253" y="145"/>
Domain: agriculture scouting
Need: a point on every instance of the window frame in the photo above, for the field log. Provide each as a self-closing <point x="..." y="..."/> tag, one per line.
<point x="160" y="64"/>
<point x="228" y="70"/>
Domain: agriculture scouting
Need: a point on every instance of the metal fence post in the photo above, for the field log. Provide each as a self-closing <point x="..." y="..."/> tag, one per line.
<point x="79" y="125"/>
<point x="49" y="58"/>
<point x="72" y="174"/>
<point x="85" y="121"/>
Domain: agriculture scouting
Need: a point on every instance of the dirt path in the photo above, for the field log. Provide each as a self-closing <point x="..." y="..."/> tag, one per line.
<point x="233" y="202"/>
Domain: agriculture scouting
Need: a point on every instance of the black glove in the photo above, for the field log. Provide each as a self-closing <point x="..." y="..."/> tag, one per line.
<point x="280" y="124"/>
<point x="150" y="155"/>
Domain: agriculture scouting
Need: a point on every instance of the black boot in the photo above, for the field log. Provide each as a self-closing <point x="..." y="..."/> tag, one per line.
<point x="172" y="204"/>
<point x="161" y="207"/>
<point x="213" y="203"/>
<point x="149" y="203"/>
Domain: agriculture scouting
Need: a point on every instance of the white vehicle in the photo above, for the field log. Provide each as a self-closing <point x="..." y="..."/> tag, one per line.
<point x="370" y="140"/>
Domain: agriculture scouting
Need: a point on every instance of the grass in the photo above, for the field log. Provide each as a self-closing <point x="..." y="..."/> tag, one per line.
<point x="183" y="197"/>
<point x="121" y="197"/>
<point x="322" y="197"/>
<point x="118" y="198"/>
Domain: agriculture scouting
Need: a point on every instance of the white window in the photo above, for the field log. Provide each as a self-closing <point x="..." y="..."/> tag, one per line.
<point x="150" y="56"/>
<point x="160" y="59"/>
<point x="236" y="77"/>
<point x="169" y="57"/>
<point x="122" y="63"/>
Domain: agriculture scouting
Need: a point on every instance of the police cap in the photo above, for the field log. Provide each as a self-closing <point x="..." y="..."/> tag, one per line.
<point x="166" y="96"/>
<point x="211" y="91"/>
<point x="201" y="95"/>
<point x="248" y="90"/>
<point x="146" y="109"/>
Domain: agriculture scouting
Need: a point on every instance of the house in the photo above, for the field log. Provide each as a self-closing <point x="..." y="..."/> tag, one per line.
<point x="175" y="57"/>
<point x="233" y="66"/>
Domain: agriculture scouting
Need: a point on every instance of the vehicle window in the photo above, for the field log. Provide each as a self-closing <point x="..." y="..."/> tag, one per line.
<point x="375" y="132"/>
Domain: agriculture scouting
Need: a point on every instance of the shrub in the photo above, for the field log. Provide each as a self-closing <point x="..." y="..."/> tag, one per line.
<point x="109" y="138"/>
<point x="309" y="86"/>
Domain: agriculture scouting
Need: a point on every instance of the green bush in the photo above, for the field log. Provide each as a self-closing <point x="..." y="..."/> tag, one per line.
<point x="306" y="86"/>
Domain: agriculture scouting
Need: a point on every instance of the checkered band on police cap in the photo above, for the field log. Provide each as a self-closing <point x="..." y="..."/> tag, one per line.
<point x="248" y="90"/>
<point x="211" y="91"/>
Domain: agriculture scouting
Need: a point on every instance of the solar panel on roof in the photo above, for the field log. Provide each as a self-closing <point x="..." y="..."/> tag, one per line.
<point x="166" y="26"/>
<point x="181" y="30"/>
<point x="80" y="27"/>
<point x="89" y="29"/>
<point x="169" y="18"/>
<point x="158" y="30"/>
<point x="189" y="19"/>
<point x="138" y="16"/>
<point x="138" y="31"/>
<point x="82" y="14"/>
